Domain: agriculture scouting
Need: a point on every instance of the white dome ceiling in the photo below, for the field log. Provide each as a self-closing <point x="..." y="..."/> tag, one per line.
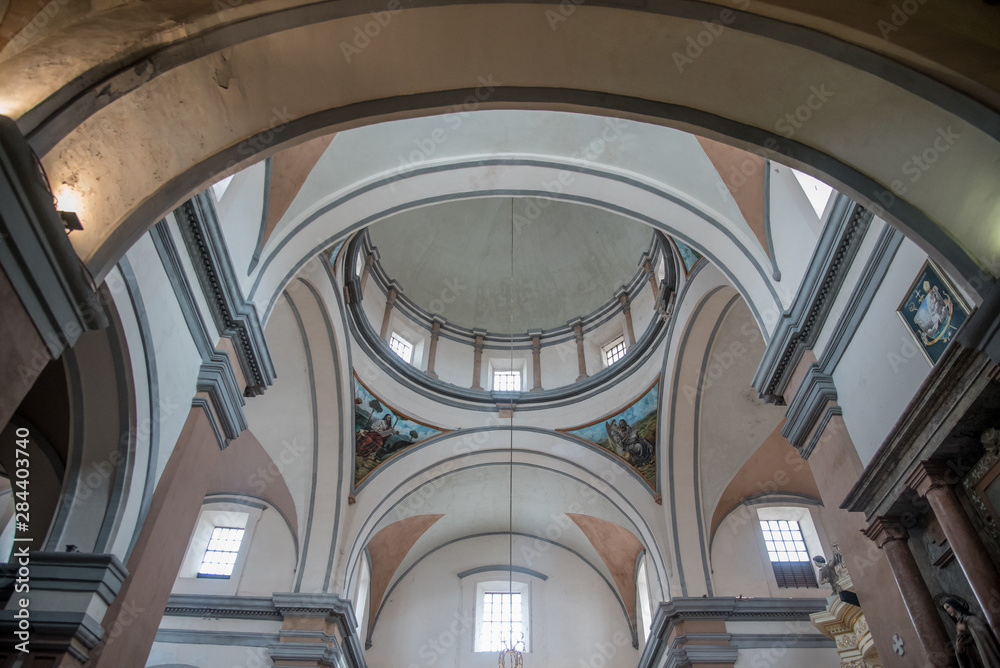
<point x="454" y="259"/>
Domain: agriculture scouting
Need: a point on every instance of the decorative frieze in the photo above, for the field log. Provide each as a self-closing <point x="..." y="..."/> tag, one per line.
<point x="234" y="316"/>
<point x="801" y="323"/>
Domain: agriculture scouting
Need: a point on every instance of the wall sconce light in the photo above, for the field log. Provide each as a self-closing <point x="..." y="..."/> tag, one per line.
<point x="71" y="221"/>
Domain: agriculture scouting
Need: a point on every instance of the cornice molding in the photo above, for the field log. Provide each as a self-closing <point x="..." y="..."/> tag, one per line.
<point x="808" y="405"/>
<point x="800" y="325"/>
<point x="217" y="380"/>
<point x="671" y="613"/>
<point x="234" y="316"/>
<point x="208" y="606"/>
<point x="35" y="252"/>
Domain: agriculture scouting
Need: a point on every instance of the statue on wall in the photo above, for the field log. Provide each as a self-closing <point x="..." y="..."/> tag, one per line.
<point x="990" y="440"/>
<point x="975" y="646"/>
<point x="829" y="571"/>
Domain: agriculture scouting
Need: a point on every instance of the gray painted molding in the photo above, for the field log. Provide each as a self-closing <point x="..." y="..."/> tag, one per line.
<point x="815" y="392"/>
<point x="332" y="607"/>
<point x="152" y="379"/>
<point x="882" y="255"/>
<point x="35" y="251"/>
<point x="269" y="608"/>
<point x="236" y="638"/>
<point x="79" y="577"/>
<point x="453" y="332"/>
<point x="809" y="407"/>
<point x="221" y="607"/>
<point x="775" y="272"/>
<point x="302" y="652"/>
<point x="503" y="568"/>
<point x="265" y="209"/>
<point x="801" y="323"/>
<point x="234" y="316"/>
<point x="314" y="413"/>
<point x="656" y="223"/>
<point x="217" y="379"/>
<point x="216" y="376"/>
<point x="668" y="614"/>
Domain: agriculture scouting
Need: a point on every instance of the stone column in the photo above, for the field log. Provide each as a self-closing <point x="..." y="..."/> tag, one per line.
<point x="890" y="536"/>
<point x="577" y="326"/>
<point x="932" y="480"/>
<point x="647" y="266"/>
<point x="477" y="360"/>
<point x="536" y="359"/>
<point x="370" y="259"/>
<point x="131" y="622"/>
<point x="390" y="301"/>
<point x="432" y="351"/>
<point x="623" y="299"/>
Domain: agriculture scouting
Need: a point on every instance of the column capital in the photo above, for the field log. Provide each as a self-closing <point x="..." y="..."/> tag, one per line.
<point x="393" y="290"/>
<point x="885" y="529"/>
<point x="646" y="263"/>
<point x="929" y="475"/>
<point x="622" y="295"/>
<point x="438" y="321"/>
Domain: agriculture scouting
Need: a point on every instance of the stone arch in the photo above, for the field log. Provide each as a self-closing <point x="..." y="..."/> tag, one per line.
<point x="865" y="158"/>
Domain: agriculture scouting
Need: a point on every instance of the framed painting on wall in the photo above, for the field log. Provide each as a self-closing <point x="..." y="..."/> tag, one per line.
<point x="932" y="311"/>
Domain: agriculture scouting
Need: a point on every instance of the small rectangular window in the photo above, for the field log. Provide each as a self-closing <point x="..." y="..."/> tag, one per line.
<point x="614" y="351"/>
<point x="502" y="625"/>
<point x="506" y="381"/>
<point x="220" y="557"/>
<point x="401" y="347"/>
<point x="786" y="549"/>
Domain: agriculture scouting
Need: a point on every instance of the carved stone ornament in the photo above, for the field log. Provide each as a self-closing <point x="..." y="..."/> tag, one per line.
<point x="991" y="443"/>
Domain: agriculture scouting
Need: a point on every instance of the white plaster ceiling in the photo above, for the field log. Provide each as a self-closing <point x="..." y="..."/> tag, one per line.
<point x="455" y="259"/>
<point x="476" y="501"/>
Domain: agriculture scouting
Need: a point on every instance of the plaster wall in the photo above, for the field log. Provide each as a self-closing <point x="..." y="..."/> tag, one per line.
<point x="787" y="657"/>
<point x="794" y="230"/>
<point x="882" y="367"/>
<point x="282" y="418"/>
<point x="270" y="561"/>
<point x="142" y="429"/>
<point x="197" y="654"/>
<point x="851" y="278"/>
<point x="240" y="211"/>
<point x="573" y="614"/>
<point x="177" y="358"/>
<point x="740" y="564"/>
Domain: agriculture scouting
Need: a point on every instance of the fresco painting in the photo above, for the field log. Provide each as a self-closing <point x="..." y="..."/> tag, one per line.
<point x="381" y="432"/>
<point x="629" y="434"/>
<point x="689" y="256"/>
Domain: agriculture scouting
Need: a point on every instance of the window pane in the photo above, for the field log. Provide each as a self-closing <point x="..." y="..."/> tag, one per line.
<point x="502" y="624"/>
<point x="615" y="351"/>
<point x="223" y="548"/>
<point x="506" y="381"/>
<point x="401" y="347"/>
<point x="783" y="541"/>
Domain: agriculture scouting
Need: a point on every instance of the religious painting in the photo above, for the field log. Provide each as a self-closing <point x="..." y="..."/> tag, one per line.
<point x="629" y="434"/>
<point x="332" y="253"/>
<point x="932" y="311"/>
<point x="689" y="256"/>
<point x="380" y="432"/>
